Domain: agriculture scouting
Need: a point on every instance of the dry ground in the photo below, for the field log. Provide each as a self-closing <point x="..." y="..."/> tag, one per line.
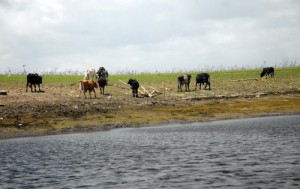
<point x="59" y="108"/>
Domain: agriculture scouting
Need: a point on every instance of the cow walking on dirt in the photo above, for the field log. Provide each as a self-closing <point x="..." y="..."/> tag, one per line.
<point x="87" y="85"/>
<point x="134" y="86"/>
<point x="201" y="79"/>
<point x="33" y="79"/>
<point x="102" y="76"/>
<point x="184" y="80"/>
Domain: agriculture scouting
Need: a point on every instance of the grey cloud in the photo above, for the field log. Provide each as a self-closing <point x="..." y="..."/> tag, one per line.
<point x="148" y="34"/>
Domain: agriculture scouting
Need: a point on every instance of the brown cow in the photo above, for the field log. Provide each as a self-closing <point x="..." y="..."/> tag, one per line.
<point x="88" y="85"/>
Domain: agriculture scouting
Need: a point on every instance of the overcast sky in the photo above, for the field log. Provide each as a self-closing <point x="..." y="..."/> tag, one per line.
<point x="147" y="35"/>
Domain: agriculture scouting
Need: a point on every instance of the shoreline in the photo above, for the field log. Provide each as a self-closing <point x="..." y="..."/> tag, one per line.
<point x="59" y="108"/>
<point x="24" y="134"/>
<point x="71" y="125"/>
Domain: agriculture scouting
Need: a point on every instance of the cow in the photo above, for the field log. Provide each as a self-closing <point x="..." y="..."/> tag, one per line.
<point x="33" y="79"/>
<point x="102" y="76"/>
<point x="90" y="74"/>
<point x="88" y="85"/>
<point x="201" y="79"/>
<point x="134" y="86"/>
<point x="267" y="71"/>
<point x="184" y="80"/>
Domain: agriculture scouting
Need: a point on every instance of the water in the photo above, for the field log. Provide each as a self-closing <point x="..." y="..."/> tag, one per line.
<point x="247" y="153"/>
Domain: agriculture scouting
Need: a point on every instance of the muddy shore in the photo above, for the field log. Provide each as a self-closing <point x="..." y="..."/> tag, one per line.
<point x="59" y="110"/>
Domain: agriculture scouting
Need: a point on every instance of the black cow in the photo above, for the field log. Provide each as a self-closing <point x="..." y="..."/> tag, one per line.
<point x="201" y="79"/>
<point x="33" y="79"/>
<point x="102" y="75"/>
<point x="184" y="80"/>
<point x="267" y="71"/>
<point x="102" y="83"/>
<point x="134" y="86"/>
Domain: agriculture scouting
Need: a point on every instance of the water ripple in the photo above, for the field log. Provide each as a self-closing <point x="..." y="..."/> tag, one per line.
<point x="250" y="153"/>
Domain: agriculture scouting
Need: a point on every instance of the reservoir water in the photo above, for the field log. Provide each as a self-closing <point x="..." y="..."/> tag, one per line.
<point x="246" y="153"/>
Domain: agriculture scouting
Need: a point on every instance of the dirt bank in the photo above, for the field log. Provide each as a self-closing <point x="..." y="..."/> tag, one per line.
<point x="60" y="110"/>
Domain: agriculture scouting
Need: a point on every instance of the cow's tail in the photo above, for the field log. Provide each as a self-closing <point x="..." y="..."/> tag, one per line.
<point x="208" y="79"/>
<point x="75" y="83"/>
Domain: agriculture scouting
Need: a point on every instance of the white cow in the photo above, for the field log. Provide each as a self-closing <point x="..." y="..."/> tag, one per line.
<point x="90" y="74"/>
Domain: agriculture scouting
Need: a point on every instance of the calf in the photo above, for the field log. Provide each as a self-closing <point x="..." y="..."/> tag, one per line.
<point x="33" y="79"/>
<point x="184" y="80"/>
<point x="90" y="74"/>
<point x="88" y="85"/>
<point x="201" y="79"/>
<point x="267" y="71"/>
<point x="134" y="86"/>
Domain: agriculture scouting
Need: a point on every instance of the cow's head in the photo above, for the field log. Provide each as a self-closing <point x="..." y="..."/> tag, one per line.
<point x="130" y="81"/>
<point x="263" y="73"/>
<point x="189" y="77"/>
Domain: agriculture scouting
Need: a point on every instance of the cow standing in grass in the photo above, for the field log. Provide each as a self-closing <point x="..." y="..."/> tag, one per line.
<point x="184" y="80"/>
<point x="201" y="79"/>
<point x="33" y="79"/>
<point x="268" y="71"/>
<point x="88" y="85"/>
<point x="134" y="86"/>
<point x="102" y="75"/>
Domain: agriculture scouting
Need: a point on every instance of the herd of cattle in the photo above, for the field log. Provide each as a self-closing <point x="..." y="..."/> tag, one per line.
<point x="89" y="84"/>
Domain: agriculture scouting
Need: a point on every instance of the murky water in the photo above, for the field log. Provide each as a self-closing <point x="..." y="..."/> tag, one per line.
<point x="248" y="153"/>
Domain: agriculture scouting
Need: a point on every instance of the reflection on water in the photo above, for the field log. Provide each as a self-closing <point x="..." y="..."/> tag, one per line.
<point x="248" y="153"/>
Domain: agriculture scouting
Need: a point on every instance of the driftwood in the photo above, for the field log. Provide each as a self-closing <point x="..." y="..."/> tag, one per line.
<point x="144" y="92"/>
<point x="247" y="79"/>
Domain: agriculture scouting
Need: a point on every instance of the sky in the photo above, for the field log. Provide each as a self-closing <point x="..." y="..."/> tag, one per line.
<point x="147" y="35"/>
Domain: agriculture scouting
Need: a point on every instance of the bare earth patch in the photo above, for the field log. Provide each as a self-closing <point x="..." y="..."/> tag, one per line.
<point x="59" y="109"/>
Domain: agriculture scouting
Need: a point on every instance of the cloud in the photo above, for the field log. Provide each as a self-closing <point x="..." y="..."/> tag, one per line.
<point x="146" y="35"/>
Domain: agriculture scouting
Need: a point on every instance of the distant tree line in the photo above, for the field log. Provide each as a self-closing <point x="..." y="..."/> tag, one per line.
<point x="202" y="68"/>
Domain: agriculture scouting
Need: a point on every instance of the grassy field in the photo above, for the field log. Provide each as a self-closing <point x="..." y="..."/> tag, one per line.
<point x="222" y="82"/>
<point x="233" y="94"/>
<point x="159" y="78"/>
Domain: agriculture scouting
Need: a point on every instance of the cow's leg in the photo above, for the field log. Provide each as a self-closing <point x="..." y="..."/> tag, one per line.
<point x="136" y="93"/>
<point x="94" y="92"/>
<point x="186" y="87"/>
<point x="30" y="85"/>
<point x="34" y="88"/>
<point x="84" y="92"/>
<point x="39" y="87"/>
<point x="180" y="86"/>
<point x="27" y="87"/>
<point x="90" y="92"/>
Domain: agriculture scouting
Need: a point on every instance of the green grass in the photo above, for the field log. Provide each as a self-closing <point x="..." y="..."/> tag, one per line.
<point x="157" y="78"/>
